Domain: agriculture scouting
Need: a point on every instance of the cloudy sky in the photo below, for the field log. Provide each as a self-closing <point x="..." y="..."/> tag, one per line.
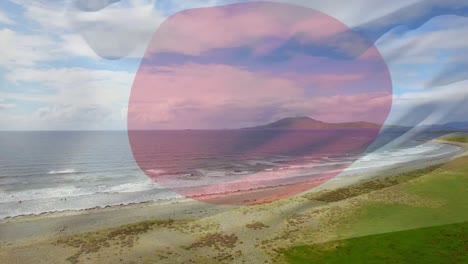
<point x="70" y="64"/>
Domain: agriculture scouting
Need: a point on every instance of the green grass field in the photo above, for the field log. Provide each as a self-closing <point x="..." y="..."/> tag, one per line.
<point x="417" y="227"/>
<point x="441" y="244"/>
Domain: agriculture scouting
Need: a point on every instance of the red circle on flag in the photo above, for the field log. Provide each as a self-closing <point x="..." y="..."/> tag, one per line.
<point x="254" y="102"/>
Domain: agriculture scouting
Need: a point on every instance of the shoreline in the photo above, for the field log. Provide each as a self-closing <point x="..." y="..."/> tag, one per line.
<point x="463" y="146"/>
<point x="335" y="182"/>
<point x="27" y="229"/>
<point x="189" y="231"/>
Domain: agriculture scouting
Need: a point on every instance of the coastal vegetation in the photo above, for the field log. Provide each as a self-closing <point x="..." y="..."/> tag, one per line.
<point x="410" y="226"/>
<point x="456" y="138"/>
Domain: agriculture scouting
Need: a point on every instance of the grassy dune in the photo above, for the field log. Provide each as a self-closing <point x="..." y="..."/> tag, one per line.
<point x="431" y="199"/>
<point x="456" y="138"/>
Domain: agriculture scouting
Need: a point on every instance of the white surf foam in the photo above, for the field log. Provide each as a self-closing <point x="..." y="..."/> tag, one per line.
<point x="64" y="171"/>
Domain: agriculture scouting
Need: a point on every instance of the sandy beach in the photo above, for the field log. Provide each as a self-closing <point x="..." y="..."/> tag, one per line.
<point x="188" y="231"/>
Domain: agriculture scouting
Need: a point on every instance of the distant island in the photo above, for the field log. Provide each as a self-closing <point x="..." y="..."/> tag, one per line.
<point x="305" y="123"/>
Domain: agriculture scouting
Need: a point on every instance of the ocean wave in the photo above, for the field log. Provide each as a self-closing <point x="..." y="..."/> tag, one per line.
<point x="155" y="171"/>
<point x="64" y="171"/>
<point x="133" y="187"/>
<point x="37" y="194"/>
<point x="74" y="191"/>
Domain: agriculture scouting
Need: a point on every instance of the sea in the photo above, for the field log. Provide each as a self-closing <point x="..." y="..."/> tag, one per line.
<point x="44" y="171"/>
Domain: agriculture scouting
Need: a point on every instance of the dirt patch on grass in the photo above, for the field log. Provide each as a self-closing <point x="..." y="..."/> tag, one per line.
<point x="256" y="225"/>
<point x="298" y="219"/>
<point x="393" y="195"/>
<point x="222" y="244"/>
<point x="216" y="241"/>
<point x="125" y="236"/>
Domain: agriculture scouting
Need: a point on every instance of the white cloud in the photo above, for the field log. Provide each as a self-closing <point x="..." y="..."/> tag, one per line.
<point x="27" y="96"/>
<point x="124" y="28"/>
<point x="423" y="45"/>
<point x="4" y="105"/>
<point x="4" y="19"/>
<point x="120" y="29"/>
<point x="76" y="98"/>
<point x="19" y="49"/>
<point x="62" y="117"/>
<point x="25" y="50"/>
<point x="63" y="32"/>
<point x="432" y="55"/>
<point x="65" y="113"/>
<point x="431" y="106"/>
<point x="46" y="16"/>
<point x="78" y="85"/>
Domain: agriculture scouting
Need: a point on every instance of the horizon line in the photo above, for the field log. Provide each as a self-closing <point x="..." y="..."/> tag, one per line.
<point x="215" y="129"/>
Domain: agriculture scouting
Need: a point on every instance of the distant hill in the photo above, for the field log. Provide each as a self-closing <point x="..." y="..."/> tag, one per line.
<point x="457" y="126"/>
<point x="309" y="123"/>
